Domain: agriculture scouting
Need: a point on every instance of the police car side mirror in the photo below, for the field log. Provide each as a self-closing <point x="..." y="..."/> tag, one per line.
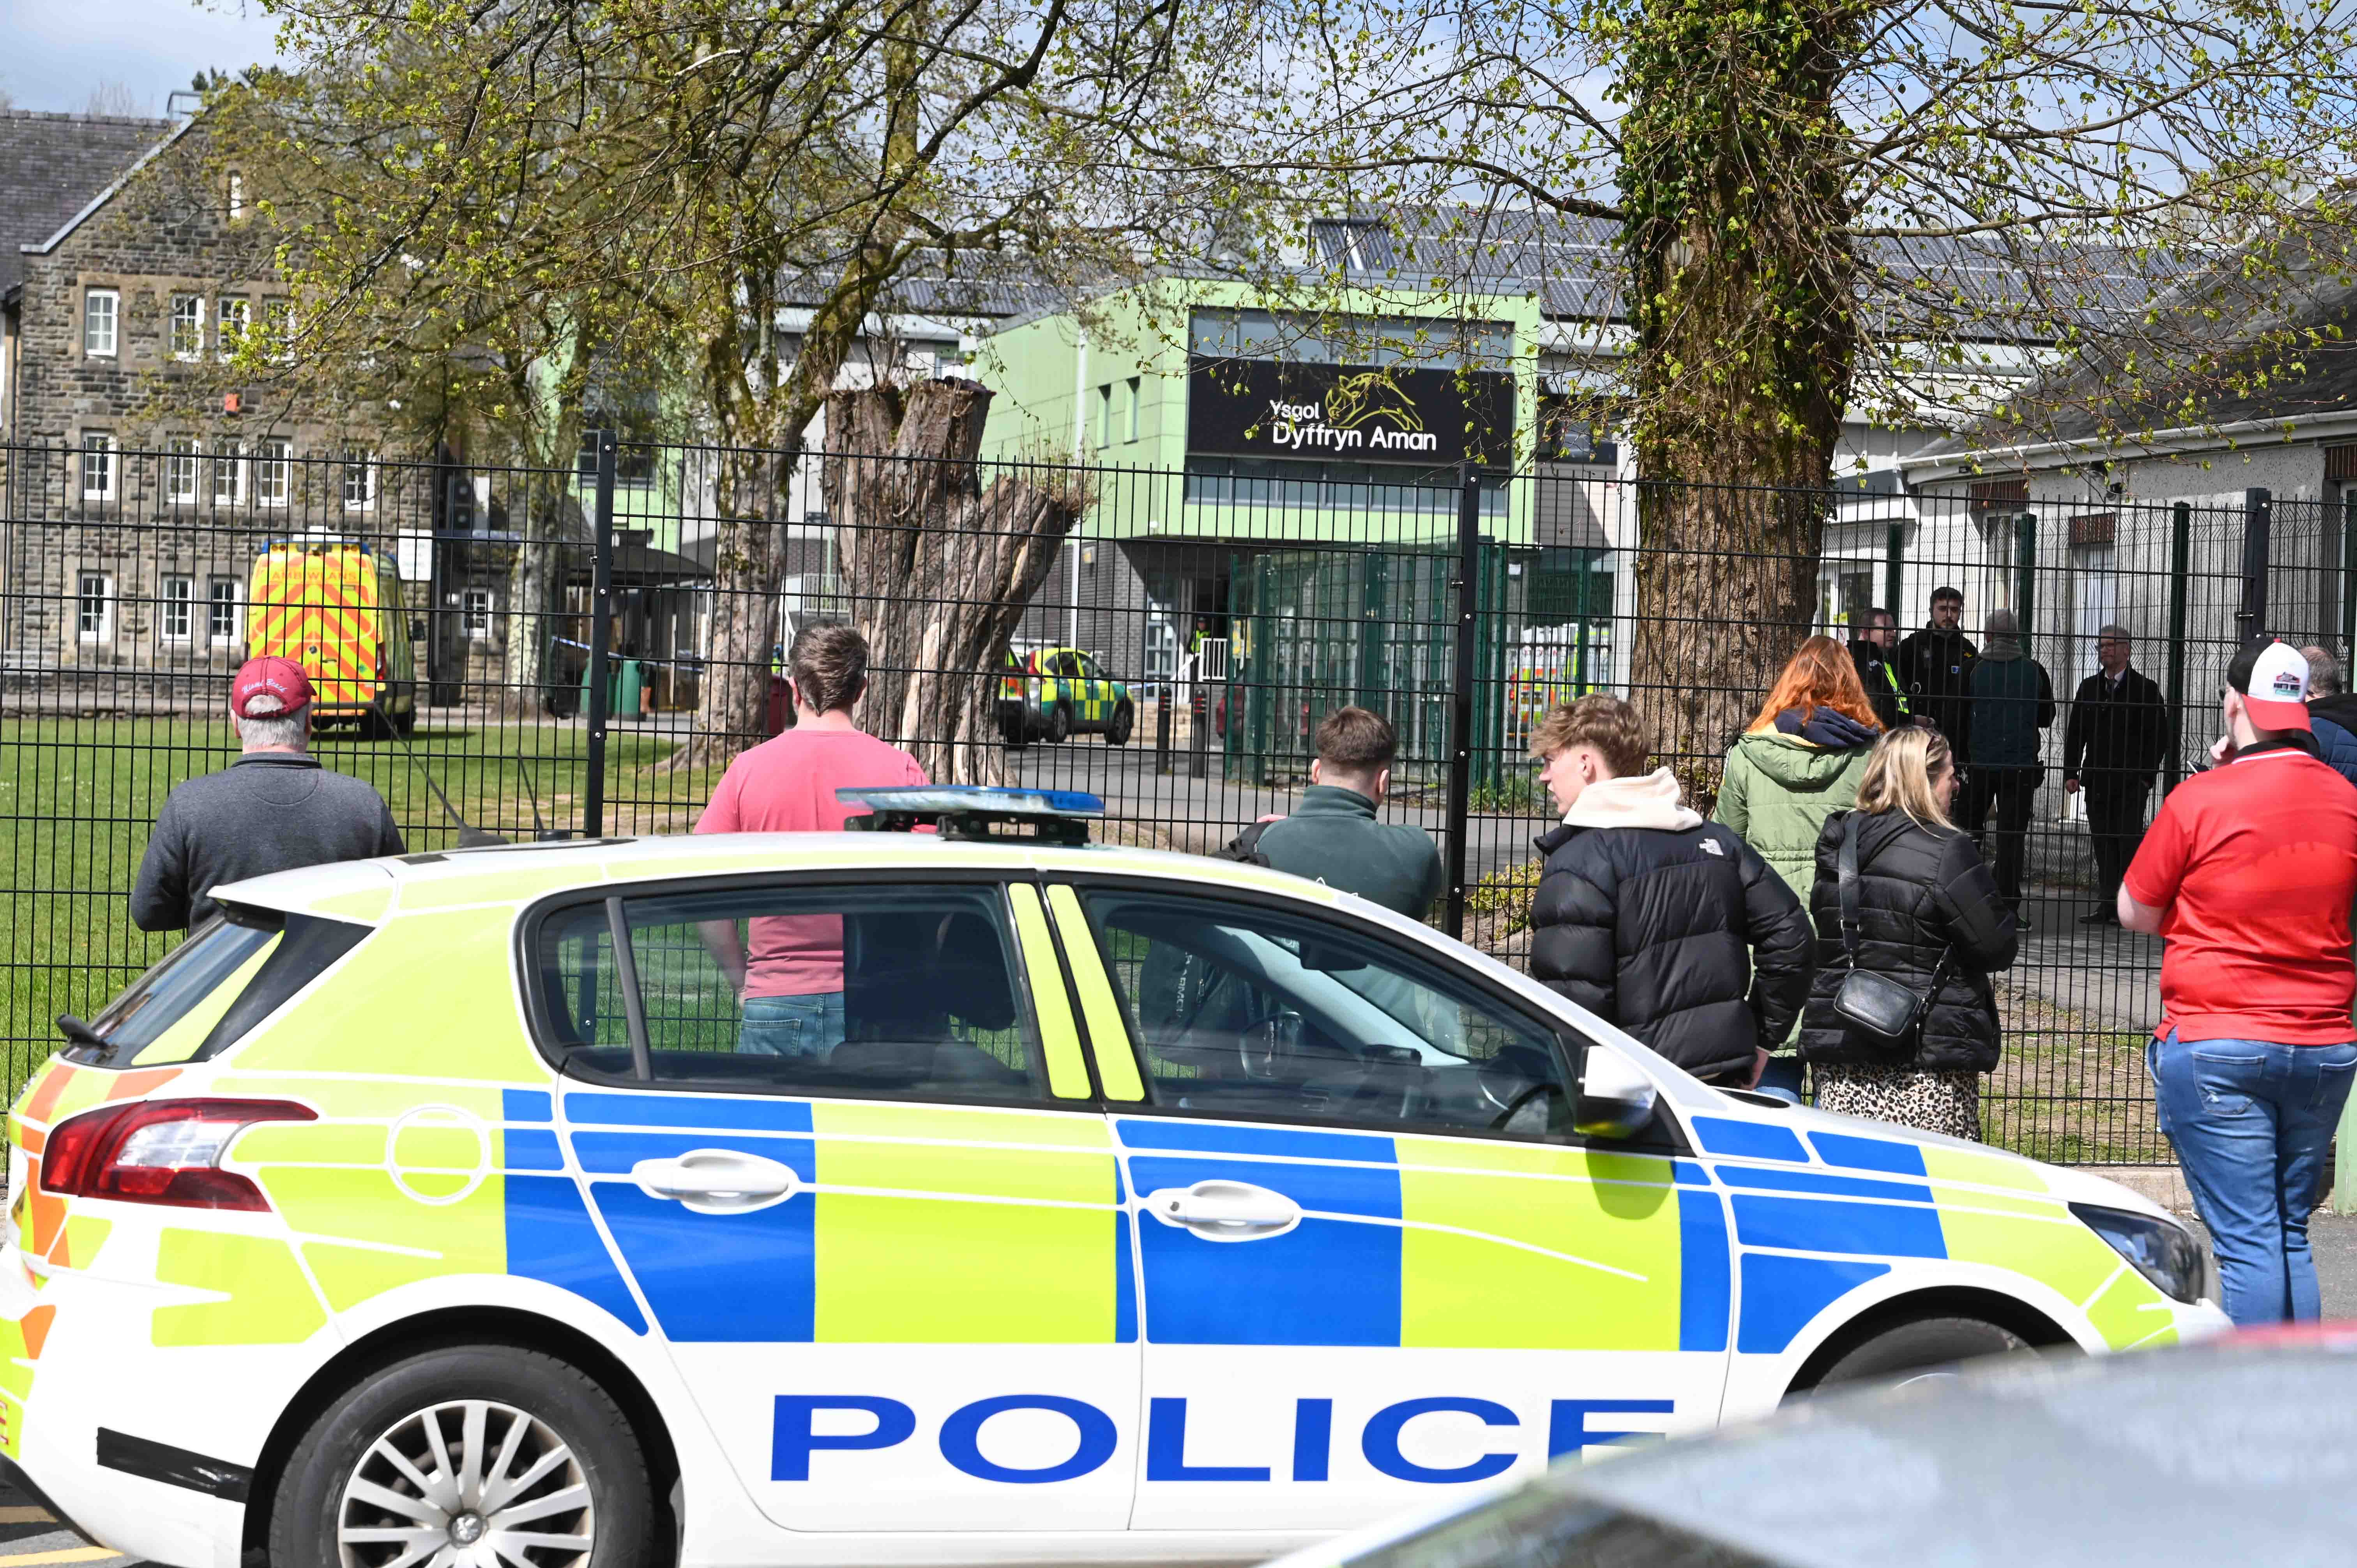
<point x="1615" y="1099"/>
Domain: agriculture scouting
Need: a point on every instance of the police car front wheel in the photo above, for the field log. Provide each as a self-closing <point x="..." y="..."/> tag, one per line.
<point x="1926" y="1346"/>
<point x="469" y="1454"/>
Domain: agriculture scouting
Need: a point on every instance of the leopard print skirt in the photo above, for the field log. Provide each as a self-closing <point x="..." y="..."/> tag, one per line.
<point x="1947" y="1102"/>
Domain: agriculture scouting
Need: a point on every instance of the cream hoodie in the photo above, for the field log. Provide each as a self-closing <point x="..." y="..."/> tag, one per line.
<point x="1650" y="802"/>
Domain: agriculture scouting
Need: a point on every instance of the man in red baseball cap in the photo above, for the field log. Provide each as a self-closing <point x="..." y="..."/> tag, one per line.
<point x="2248" y="872"/>
<point x="272" y="810"/>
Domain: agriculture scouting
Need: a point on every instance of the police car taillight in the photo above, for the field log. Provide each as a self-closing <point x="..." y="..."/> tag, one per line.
<point x="160" y="1151"/>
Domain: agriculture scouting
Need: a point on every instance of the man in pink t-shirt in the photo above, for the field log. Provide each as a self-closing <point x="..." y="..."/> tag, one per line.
<point x="791" y="981"/>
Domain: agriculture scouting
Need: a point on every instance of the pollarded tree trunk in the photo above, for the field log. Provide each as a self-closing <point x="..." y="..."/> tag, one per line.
<point x="937" y="565"/>
<point x="1744" y="284"/>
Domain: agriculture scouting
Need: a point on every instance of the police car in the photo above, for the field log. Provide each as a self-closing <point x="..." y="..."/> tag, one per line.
<point x="892" y="1199"/>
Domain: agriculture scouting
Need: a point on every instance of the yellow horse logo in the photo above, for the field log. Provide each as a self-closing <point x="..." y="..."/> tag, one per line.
<point x="1357" y="399"/>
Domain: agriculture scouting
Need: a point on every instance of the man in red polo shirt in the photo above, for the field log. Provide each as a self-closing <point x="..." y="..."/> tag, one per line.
<point x="2247" y="875"/>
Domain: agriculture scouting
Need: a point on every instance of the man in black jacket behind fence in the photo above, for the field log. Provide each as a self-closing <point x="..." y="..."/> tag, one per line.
<point x="2112" y="747"/>
<point x="1651" y="918"/>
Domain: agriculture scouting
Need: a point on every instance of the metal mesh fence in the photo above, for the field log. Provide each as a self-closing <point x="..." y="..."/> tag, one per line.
<point x="1173" y="653"/>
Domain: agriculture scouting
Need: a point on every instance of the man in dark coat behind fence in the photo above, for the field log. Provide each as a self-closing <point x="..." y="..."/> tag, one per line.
<point x="2112" y="747"/>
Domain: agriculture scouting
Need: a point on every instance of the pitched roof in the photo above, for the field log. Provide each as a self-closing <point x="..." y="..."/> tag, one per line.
<point x="53" y="166"/>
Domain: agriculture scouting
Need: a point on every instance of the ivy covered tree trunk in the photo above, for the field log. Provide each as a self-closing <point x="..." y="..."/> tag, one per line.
<point x="1743" y="284"/>
<point x="937" y="564"/>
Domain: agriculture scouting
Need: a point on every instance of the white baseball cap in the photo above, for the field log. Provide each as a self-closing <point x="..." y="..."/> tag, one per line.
<point x="2273" y="679"/>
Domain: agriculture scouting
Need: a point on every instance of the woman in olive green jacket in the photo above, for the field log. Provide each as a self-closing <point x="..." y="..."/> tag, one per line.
<point x="1798" y="764"/>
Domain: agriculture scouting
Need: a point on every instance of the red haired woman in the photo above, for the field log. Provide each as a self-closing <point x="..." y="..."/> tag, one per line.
<point x="1798" y="764"/>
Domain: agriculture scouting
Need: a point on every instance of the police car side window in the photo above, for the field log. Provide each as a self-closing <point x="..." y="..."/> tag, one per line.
<point x="1243" y="1010"/>
<point x="896" y="991"/>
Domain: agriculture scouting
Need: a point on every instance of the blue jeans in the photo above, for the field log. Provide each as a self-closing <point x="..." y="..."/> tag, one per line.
<point x="2252" y="1121"/>
<point x="1782" y="1079"/>
<point x="807" y="1026"/>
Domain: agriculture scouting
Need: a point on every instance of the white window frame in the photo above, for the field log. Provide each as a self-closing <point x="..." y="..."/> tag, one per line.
<point x="217" y="603"/>
<point x="102" y="328"/>
<point x="229" y="462"/>
<point x="176" y="619"/>
<point x="194" y="316"/>
<point x="236" y="308"/>
<point x="278" y="324"/>
<point x="360" y="462"/>
<point x="102" y="459"/>
<point x="236" y="194"/>
<point x="475" y="613"/>
<point x="183" y="466"/>
<point x="101" y="627"/>
<point x="271" y="477"/>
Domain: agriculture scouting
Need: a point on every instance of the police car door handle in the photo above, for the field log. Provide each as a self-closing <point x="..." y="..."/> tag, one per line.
<point x="1224" y="1210"/>
<point x="716" y="1181"/>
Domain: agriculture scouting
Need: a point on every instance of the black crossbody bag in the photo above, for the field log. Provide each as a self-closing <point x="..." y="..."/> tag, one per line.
<point x="1876" y="1003"/>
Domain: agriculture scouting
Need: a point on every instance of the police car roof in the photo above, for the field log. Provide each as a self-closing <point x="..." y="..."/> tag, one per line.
<point x="369" y="890"/>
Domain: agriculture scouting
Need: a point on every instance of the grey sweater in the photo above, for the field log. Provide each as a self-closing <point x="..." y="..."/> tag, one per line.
<point x="270" y="811"/>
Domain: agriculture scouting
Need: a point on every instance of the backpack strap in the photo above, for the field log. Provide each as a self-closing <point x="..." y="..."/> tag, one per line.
<point x="1245" y="845"/>
<point x="1845" y="874"/>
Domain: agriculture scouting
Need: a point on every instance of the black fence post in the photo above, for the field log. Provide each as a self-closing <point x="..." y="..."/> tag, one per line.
<point x="2025" y="566"/>
<point x="1894" y="570"/>
<point x="2258" y="522"/>
<point x="2180" y="568"/>
<point x="601" y="613"/>
<point x="2348" y="576"/>
<point x="1460" y="691"/>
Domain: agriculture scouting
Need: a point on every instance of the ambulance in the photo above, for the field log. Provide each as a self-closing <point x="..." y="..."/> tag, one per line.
<point x="930" y="1198"/>
<point x="335" y="607"/>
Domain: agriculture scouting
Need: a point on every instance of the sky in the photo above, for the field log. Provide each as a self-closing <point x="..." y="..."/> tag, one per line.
<point x="55" y="53"/>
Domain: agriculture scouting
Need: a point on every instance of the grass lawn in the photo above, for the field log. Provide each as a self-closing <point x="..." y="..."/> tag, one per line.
<point x="78" y="796"/>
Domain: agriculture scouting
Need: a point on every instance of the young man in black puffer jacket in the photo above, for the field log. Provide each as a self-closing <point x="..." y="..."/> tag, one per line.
<point x="1652" y="919"/>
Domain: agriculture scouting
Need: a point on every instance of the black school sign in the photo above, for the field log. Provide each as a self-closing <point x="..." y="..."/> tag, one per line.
<point x="1358" y="413"/>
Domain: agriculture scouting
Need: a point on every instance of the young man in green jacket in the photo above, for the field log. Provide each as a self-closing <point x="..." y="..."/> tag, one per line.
<point x="1332" y="835"/>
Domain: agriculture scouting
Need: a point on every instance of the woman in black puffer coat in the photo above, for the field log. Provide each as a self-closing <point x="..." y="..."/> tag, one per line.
<point x="1927" y="906"/>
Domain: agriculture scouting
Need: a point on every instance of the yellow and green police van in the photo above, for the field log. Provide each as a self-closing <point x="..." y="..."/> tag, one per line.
<point x="1099" y="1205"/>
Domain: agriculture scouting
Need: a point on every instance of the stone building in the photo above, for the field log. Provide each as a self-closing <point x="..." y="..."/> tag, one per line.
<point x="143" y="476"/>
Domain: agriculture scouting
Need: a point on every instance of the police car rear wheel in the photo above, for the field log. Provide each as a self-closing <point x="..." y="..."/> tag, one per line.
<point x="1927" y="1347"/>
<point x="466" y="1455"/>
<point x="1059" y="725"/>
<point x="1124" y="719"/>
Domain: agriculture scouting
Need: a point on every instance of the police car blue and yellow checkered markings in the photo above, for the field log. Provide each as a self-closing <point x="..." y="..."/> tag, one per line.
<point x="913" y="1223"/>
<point x="1411" y="1241"/>
<point x="552" y="1239"/>
<point x="1782" y="1294"/>
<point x="1748" y="1139"/>
<point x="1868" y="1153"/>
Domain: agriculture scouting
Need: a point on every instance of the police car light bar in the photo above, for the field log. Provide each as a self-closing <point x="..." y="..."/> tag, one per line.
<point x="974" y="810"/>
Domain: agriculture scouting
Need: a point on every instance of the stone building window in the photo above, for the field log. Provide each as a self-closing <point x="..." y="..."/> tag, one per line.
<point x="187" y="325"/>
<point x="360" y="479"/>
<point x="228" y="473"/>
<point x="181" y="458"/>
<point x="278" y="331"/>
<point x="100" y="311"/>
<point x="271" y="472"/>
<point x="475" y="612"/>
<point x="95" y="606"/>
<point x="179" y="617"/>
<point x="221" y="609"/>
<point x="235" y="195"/>
<point x="97" y="456"/>
<point x="236" y="315"/>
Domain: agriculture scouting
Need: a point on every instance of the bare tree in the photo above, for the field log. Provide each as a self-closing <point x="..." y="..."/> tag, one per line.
<point x="112" y="96"/>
